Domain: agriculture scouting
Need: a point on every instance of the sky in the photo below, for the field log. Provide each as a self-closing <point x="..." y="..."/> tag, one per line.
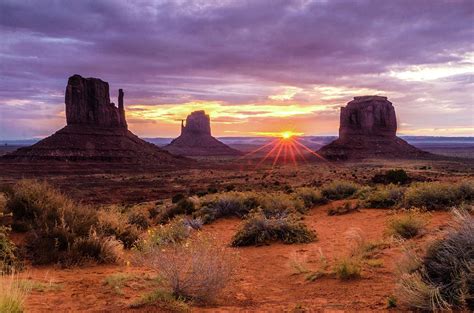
<point x="257" y="67"/>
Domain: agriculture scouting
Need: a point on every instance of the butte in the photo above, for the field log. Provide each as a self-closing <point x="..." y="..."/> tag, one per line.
<point x="96" y="131"/>
<point x="196" y="139"/>
<point x="368" y="127"/>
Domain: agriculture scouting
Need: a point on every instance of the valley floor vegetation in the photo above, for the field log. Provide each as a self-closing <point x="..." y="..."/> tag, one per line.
<point x="166" y="237"/>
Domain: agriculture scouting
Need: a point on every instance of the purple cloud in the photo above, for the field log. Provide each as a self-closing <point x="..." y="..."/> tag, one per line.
<point x="172" y="52"/>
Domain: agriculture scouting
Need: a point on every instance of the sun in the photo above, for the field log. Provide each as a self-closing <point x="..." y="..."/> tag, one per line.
<point x="287" y="134"/>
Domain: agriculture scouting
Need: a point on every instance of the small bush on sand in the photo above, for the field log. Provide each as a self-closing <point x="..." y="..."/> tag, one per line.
<point x="346" y="208"/>
<point x="140" y="219"/>
<point x="259" y="229"/>
<point x="227" y="204"/>
<point x="94" y="248"/>
<point x="436" y="195"/>
<point x="385" y="197"/>
<point x="9" y="261"/>
<point x="164" y="300"/>
<point x="445" y="278"/>
<point x="240" y="204"/>
<point x="177" y="197"/>
<point x="310" y="197"/>
<point x="174" y="232"/>
<point x="182" y="207"/>
<point x="12" y="296"/>
<point x="198" y="269"/>
<point x="339" y="190"/>
<point x="112" y="223"/>
<point x="407" y="225"/>
<point x="397" y="177"/>
<point x="347" y="269"/>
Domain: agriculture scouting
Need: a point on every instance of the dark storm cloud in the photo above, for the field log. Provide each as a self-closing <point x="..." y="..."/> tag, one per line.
<point x="231" y="51"/>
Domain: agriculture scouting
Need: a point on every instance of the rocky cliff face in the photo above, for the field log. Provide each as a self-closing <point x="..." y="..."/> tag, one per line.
<point x="197" y="123"/>
<point x="88" y="103"/>
<point x="96" y="131"/>
<point x="368" y="127"/>
<point x="196" y="138"/>
<point x="368" y="116"/>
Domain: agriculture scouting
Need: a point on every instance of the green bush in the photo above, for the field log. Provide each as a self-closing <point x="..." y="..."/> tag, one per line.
<point x="397" y="177"/>
<point x="259" y="229"/>
<point x="347" y="269"/>
<point x="113" y="223"/>
<point x="445" y="278"/>
<point x="139" y="219"/>
<point x="174" y="232"/>
<point x="310" y="196"/>
<point x="339" y="190"/>
<point x="9" y="261"/>
<point x="239" y="204"/>
<point x="182" y="207"/>
<point x="407" y="225"/>
<point x="177" y="197"/>
<point x="437" y="195"/>
<point x="55" y="222"/>
<point x="385" y="197"/>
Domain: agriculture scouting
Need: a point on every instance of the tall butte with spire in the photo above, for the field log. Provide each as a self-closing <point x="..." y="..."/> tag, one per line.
<point x="96" y="130"/>
<point x="368" y="129"/>
<point x="196" y="138"/>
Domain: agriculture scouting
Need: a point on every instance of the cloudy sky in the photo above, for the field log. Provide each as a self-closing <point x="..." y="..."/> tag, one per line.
<point x="257" y="66"/>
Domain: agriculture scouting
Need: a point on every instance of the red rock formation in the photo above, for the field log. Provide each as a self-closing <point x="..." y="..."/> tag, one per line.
<point x="96" y="131"/>
<point x="196" y="138"/>
<point x="368" y="127"/>
<point x="88" y="103"/>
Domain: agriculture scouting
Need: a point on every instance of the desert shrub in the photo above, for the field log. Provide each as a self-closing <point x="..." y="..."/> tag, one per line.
<point x="407" y="225"/>
<point x="339" y="190"/>
<point x="259" y="229"/>
<point x="112" y="223"/>
<point x="12" y="296"/>
<point x="240" y="204"/>
<point x="226" y="204"/>
<point x="139" y="219"/>
<point x="310" y="196"/>
<point x="194" y="223"/>
<point x="164" y="300"/>
<point x="183" y="206"/>
<point x="96" y="249"/>
<point x="9" y="261"/>
<point x="198" y="270"/>
<point x="177" y="197"/>
<point x="41" y="206"/>
<point x="174" y="232"/>
<point x="385" y="197"/>
<point x="347" y="269"/>
<point x="445" y="278"/>
<point x="279" y="204"/>
<point x="437" y="195"/>
<point x="346" y="208"/>
<point x="55" y="223"/>
<point x="397" y="177"/>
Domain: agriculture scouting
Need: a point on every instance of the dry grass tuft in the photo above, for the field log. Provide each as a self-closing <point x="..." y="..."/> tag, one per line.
<point x="443" y="279"/>
<point x="12" y="295"/>
<point x="407" y="225"/>
<point x="198" y="269"/>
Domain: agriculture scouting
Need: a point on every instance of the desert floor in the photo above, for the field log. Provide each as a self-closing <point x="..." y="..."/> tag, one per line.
<point x="267" y="279"/>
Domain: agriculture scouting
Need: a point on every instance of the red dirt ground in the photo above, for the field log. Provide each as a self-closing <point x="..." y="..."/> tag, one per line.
<point x="265" y="279"/>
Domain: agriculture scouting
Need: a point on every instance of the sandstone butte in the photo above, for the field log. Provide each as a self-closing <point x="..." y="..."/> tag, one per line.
<point x="368" y="129"/>
<point x="96" y="131"/>
<point x="196" y="139"/>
